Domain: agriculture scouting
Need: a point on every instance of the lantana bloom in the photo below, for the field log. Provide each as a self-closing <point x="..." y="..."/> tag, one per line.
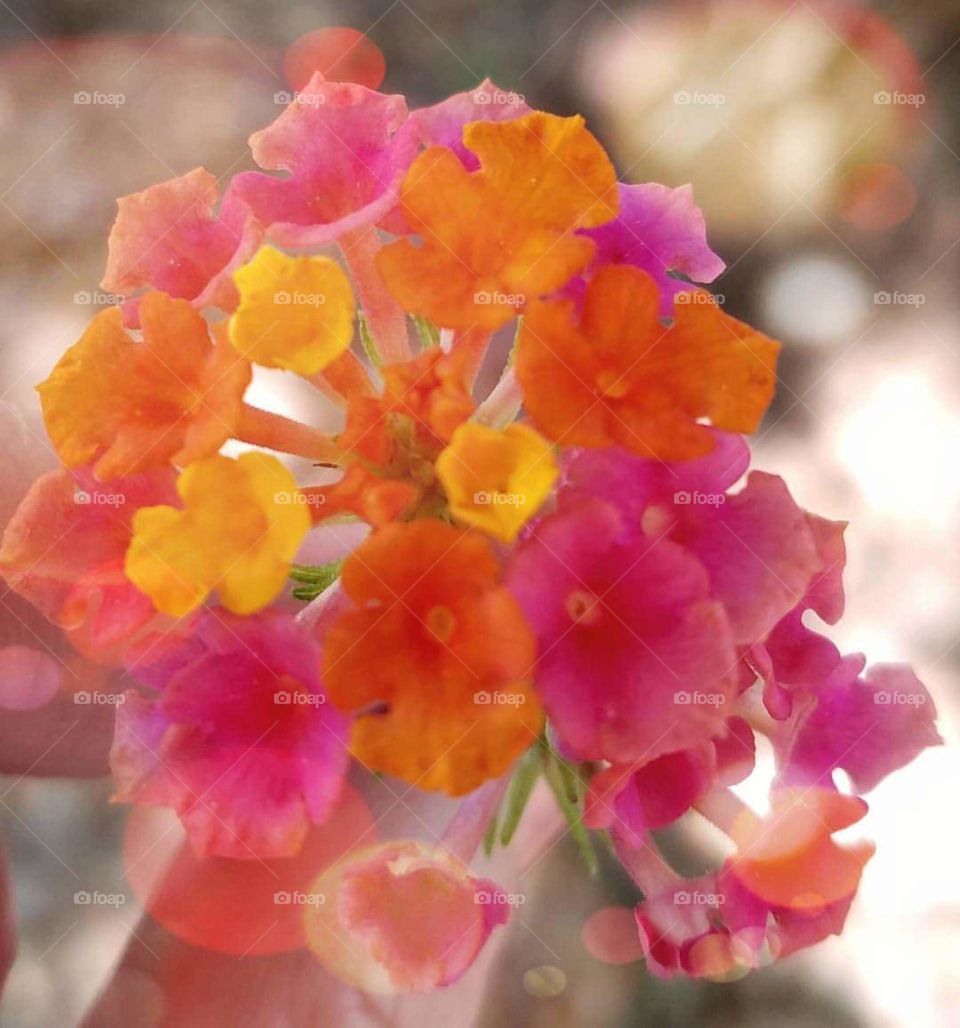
<point x="575" y="576"/>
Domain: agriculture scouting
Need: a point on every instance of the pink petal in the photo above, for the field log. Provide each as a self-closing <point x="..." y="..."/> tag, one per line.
<point x="635" y="660"/>
<point x="168" y="238"/>
<point x="345" y="149"/>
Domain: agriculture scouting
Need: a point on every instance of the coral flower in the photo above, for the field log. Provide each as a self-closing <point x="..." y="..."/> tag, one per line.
<point x="617" y="376"/>
<point x="451" y="707"/>
<point x="238" y="739"/>
<point x="497" y="480"/>
<point x="167" y="238"/>
<point x="63" y="551"/>
<point x="240" y="528"/>
<point x="789" y="859"/>
<point x="126" y="406"/>
<point x="494" y="238"/>
<point x="360" y="924"/>
<point x="294" y="312"/>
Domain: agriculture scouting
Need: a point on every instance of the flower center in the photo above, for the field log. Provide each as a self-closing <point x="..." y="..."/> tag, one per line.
<point x="441" y="623"/>
<point x="583" y="607"/>
<point x="612" y="383"/>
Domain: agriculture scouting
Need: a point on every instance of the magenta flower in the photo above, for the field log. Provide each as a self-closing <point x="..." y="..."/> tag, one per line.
<point x="239" y="739"/>
<point x="756" y="545"/>
<point x="661" y="231"/>
<point x="442" y="124"/>
<point x="635" y="659"/>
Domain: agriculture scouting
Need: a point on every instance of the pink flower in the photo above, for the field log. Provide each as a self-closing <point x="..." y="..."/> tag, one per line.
<point x="345" y="149"/>
<point x="442" y="124"/>
<point x="639" y="798"/>
<point x="63" y="550"/>
<point x="867" y="725"/>
<point x="756" y="545"/>
<point x="659" y="230"/>
<point x="402" y="917"/>
<point x="168" y="238"/>
<point x="635" y="659"/>
<point x="239" y="741"/>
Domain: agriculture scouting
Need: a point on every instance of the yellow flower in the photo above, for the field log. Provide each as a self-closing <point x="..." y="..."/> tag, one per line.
<point x="496" y="480"/>
<point x="294" y="312"/>
<point x="240" y="526"/>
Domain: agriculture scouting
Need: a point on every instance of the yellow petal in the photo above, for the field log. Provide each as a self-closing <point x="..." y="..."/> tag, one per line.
<point x="238" y="530"/>
<point x="494" y="480"/>
<point x="294" y="312"/>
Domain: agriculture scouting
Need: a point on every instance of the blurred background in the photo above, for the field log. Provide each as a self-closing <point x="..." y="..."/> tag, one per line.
<point x="822" y="139"/>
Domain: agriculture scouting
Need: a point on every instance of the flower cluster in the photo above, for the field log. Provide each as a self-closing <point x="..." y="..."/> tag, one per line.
<point x="560" y="579"/>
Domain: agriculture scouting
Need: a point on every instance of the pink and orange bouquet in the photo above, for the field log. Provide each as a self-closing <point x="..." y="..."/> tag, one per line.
<point x="561" y="579"/>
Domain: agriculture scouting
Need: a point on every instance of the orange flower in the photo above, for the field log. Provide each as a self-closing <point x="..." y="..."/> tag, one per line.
<point x="435" y="652"/>
<point x="618" y="376"/>
<point x="790" y="859"/>
<point x="394" y="439"/>
<point x="495" y="237"/>
<point x="125" y="406"/>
